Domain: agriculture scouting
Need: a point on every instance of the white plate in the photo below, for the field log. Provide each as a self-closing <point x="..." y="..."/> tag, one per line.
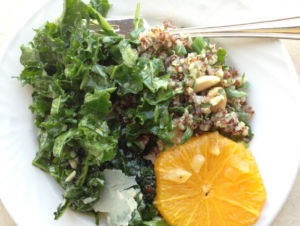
<point x="31" y="196"/>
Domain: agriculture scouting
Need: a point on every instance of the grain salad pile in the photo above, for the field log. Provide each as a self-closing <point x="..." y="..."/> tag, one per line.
<point x="195" y="108"/>
<point x="105" y="105"/>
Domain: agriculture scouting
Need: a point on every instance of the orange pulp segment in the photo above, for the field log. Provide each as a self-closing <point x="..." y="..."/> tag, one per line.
<point x="214" y="182"/>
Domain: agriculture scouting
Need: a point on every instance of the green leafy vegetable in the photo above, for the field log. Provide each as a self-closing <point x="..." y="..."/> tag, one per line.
<point x="48" y="87"/>
<point x="61" y="141"/>
<point x="107" y="29"/>
<point x="178" y="50"/>
<point x="134" y="34"/>
<point x="246" y="145"/>
<point x="154" y="223"/>
<point x="177" y="110"/>
<point x="150" y="70"/>
<point x="96" y="80"/>
<point x="199" y="44"/>
<point x="137" y="17"/>
<point x="97" y="104"/>
<point x="128" y="79"/>
<point x="128" y="54"/>
<point x="243" y="86"/>
<point x="243" y="116"/>
<point x="250" y="133"/>
<point x="221" y="55"/>
<point x="42" y="161"/>
<point x="187" y="135"/>
<point x="102" y="6"/>
<point x="41" y="105"/>
<point x="29" y="54"/>
<point x="206" y="105"/>
<point x="233" y="93"/>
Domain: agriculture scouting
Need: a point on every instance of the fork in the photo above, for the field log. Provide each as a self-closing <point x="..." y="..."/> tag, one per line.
<point x="286" y="28"/>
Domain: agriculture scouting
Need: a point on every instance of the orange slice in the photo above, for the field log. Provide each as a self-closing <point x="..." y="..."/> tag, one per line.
<point x="209" y="181"/>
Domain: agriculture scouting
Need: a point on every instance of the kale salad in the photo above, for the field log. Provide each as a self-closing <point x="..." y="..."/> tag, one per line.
<point x="106" y="106"/>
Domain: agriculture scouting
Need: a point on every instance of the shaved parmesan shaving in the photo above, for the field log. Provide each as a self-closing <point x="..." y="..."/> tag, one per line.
<point x="129" y="198"/>
<point x="117" y="198"/>
<point x="123" y="209"/>
<point x="117" y="180"/>
<point x="107" y="200"/>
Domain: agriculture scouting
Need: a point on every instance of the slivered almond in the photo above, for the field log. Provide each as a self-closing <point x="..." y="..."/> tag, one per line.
<point x="205" y="82"/>
<point x="216" y="92"/>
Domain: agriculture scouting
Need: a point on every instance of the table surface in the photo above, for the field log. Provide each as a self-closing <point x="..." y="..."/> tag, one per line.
<point x="10" y="18"/>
